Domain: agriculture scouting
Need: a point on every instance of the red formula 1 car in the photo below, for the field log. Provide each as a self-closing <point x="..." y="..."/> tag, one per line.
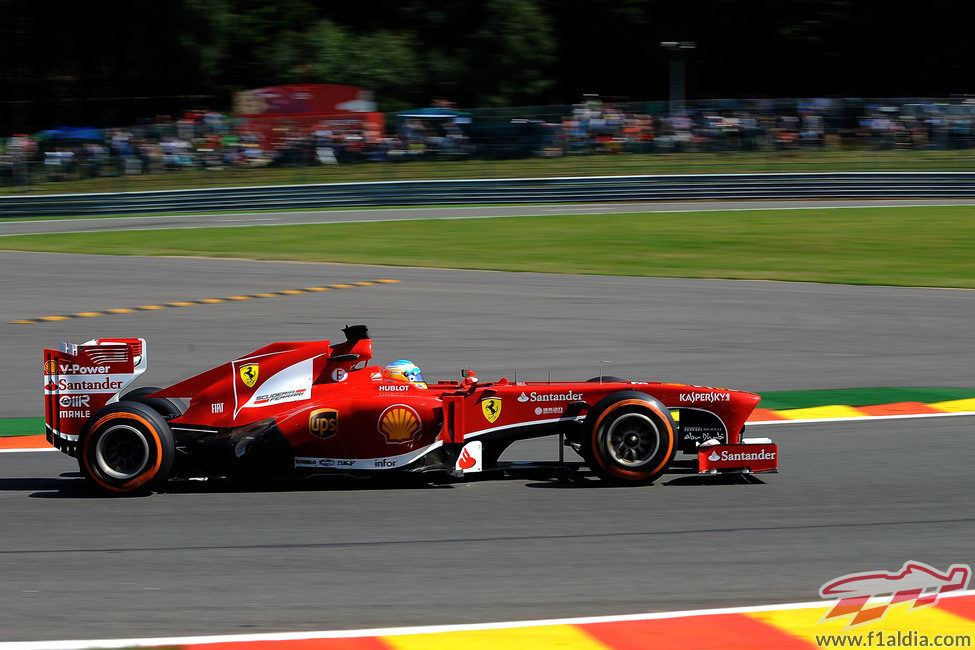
<point x="300" y="408"/>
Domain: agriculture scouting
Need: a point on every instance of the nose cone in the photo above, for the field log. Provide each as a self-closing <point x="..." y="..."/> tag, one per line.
<point x="748" y="399"/>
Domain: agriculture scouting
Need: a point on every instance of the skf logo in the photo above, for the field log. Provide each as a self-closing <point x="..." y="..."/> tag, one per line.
<point x="51" y="367"/>
<point x="323" y="423"/>
<point x="491" y="408"/>
<point x="248" y="374"/>
<point x="399" y="423"/>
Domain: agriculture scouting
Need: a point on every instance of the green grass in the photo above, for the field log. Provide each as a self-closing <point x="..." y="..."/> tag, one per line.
<point x="906" y="246"/>
<point x="596" y="165"/>
<point x="21" y="426"/>
<point x="800" y="399"/>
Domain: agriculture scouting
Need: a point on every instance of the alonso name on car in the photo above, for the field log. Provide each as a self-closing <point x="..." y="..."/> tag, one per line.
<point x="549" y="397"/>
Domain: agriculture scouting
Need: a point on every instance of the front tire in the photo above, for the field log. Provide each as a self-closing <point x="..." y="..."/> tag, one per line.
<point x="630" y="438"/>
<point x="126" y="448"/>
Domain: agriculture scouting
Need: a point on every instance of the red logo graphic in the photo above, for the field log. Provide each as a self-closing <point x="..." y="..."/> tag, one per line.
<point x="466" y="461"/>
<point x="916" y="582"/>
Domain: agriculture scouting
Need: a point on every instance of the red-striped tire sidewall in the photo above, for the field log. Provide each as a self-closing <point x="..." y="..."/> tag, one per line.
<point x="150" y="425"/>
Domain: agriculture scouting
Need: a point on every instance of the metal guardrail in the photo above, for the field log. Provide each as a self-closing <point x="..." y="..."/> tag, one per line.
<point x="500" y="191"/>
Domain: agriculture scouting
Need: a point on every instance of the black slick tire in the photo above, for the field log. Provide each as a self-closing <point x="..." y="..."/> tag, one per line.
<point x="126" y="448"/>
<point x="629" y="438"/>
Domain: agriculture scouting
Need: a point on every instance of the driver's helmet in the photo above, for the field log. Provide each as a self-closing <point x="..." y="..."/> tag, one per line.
<point x="405" y="370"/>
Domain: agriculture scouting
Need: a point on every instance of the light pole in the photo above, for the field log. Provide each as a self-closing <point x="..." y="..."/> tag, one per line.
<point x="676" y="50"/>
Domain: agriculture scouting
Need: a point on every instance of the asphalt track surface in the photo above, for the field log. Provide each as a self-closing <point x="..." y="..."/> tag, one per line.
<point x="229" y="220"/>
<point x="205" y="559"/>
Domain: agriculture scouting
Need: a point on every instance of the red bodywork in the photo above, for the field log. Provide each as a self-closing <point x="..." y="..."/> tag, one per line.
<point x="312" y="406"/>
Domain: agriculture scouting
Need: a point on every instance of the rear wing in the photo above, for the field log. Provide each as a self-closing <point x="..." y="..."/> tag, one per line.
<point x="80" y="379"/>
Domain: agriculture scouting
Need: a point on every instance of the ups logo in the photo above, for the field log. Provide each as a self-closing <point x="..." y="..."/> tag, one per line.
<point x="323" y="423"/>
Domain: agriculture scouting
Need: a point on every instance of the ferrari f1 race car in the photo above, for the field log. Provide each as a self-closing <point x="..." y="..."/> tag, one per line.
<point x="294" y="409"/>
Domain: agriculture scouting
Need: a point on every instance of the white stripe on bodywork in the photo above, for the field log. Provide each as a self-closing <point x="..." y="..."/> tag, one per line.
<point x="401" y="460"/>
<point x="296" y="378"/>
<point x="474" y="434"/>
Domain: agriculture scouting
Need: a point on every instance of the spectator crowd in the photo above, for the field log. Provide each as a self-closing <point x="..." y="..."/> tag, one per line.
<point x="206" y="139"/>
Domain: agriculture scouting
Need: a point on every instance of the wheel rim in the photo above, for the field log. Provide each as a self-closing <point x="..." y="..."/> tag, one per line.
<point x="633" y="439"/>
<point x="122" y="452"/>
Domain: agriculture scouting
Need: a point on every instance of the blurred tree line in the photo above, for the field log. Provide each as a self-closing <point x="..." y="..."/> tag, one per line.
<point x="108" y="63"/>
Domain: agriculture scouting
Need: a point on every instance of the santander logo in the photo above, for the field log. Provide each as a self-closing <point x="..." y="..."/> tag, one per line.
<point x="466" y="461"/>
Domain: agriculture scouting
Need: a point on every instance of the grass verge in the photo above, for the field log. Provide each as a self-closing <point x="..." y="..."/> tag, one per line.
<point x="21" y="426"/>
<point x="904" y="246"/>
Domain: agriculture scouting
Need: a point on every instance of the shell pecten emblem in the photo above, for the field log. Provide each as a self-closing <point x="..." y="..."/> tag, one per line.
<point x="399" y="423"/>
<point x="248" y="374"/>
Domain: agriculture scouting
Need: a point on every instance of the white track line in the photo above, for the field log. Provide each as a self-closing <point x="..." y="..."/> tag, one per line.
<point x="21" y="451"/>
<point x="394" y="631"/>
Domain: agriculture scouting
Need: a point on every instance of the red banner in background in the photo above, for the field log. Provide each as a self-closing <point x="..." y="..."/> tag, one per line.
<point x="317" y="99"/>
<point x="277" y="113"/>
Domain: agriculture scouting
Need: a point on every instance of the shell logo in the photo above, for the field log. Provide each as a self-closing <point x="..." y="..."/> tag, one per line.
<point x="50" y="367"/>
<point x="399" y="423"/>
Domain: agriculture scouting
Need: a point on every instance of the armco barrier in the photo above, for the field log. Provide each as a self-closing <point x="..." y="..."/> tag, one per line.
<point x="499" y="191"/>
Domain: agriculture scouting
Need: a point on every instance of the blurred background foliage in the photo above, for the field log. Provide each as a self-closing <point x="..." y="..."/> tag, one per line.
<point x="108" y="63"/>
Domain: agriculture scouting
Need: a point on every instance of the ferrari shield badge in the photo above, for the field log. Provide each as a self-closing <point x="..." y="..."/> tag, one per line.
<point x="491" y="408"/>
<point x="248" y="374"/>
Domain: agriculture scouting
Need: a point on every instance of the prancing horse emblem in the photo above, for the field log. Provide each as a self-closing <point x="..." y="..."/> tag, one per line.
<point x="248" y="374"/>
<point x="491" y="408"/>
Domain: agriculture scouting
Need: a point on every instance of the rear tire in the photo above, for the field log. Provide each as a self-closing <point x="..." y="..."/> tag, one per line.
<point x="168" y="408"/>
<point x="630" y="438"/>
<point x="126" y="448"/>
